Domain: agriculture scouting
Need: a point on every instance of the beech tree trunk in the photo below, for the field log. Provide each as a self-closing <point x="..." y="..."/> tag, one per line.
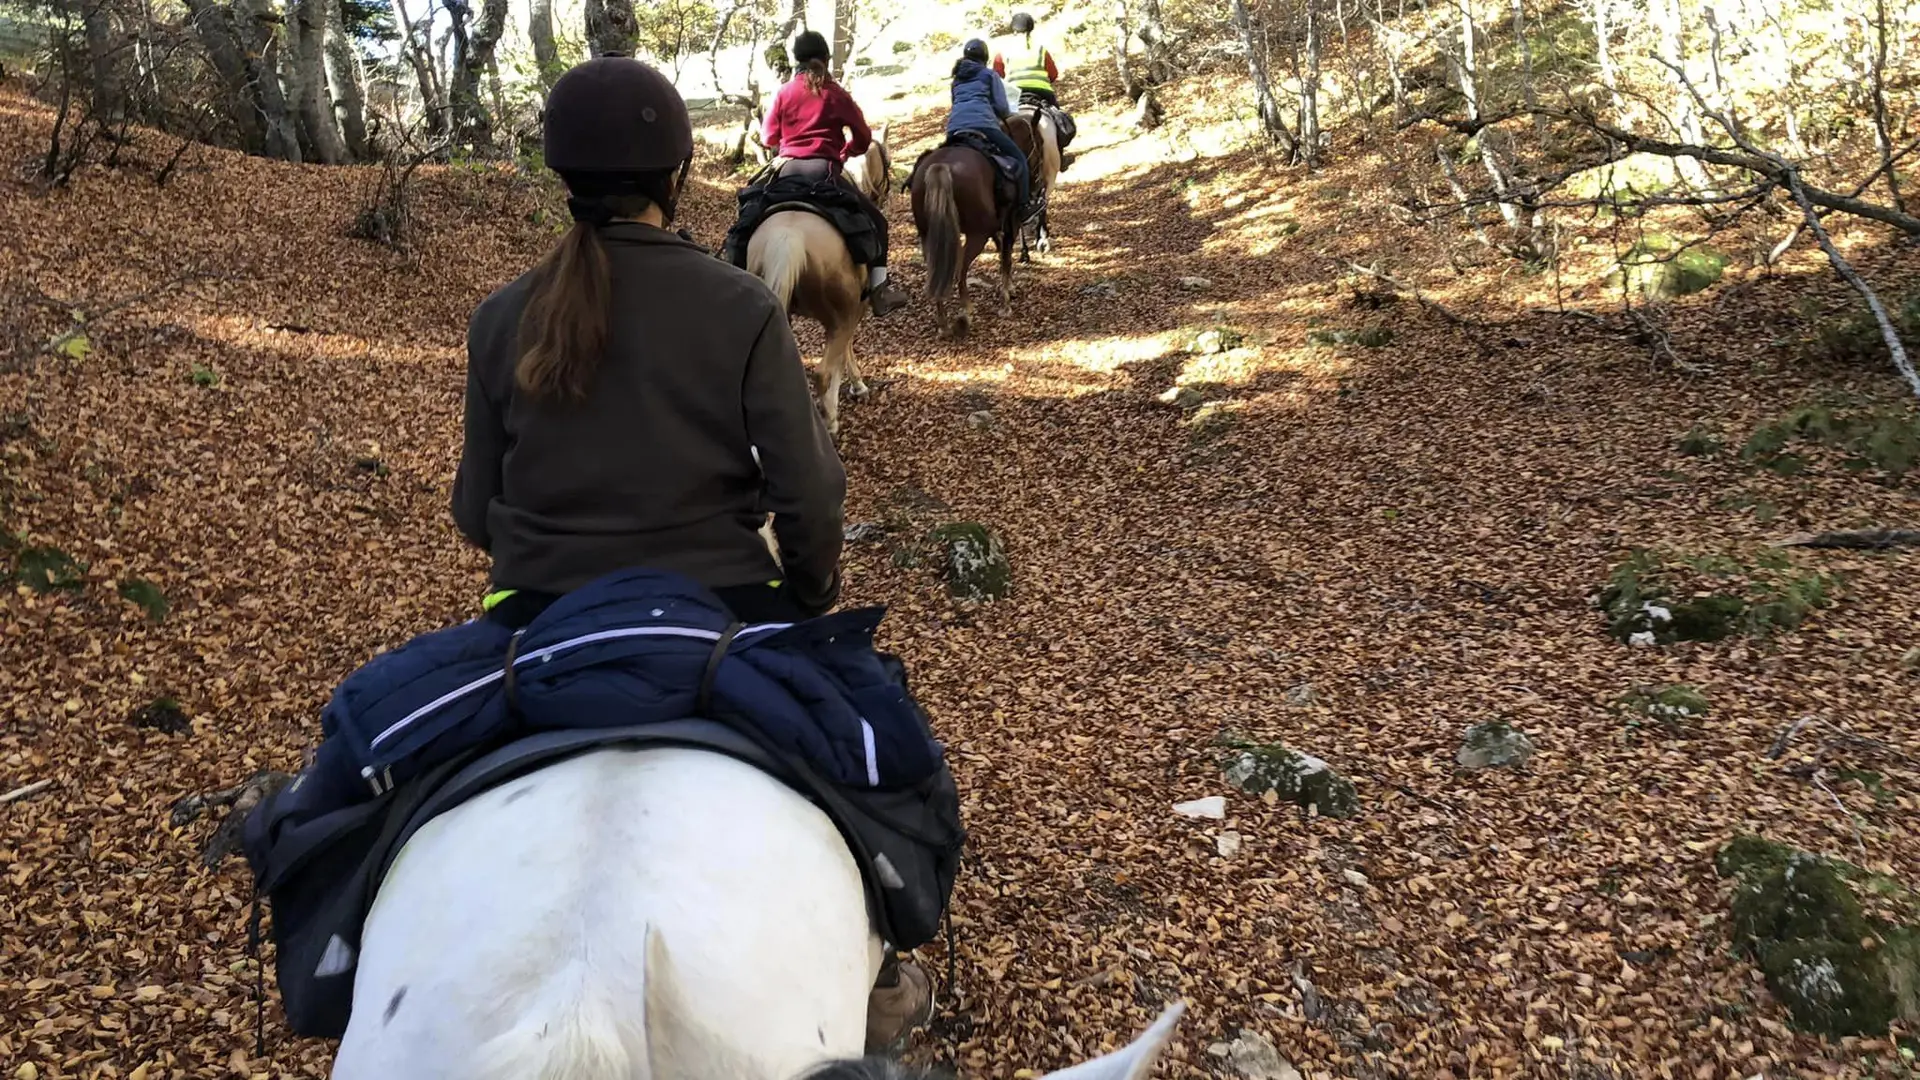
<point x="473" y="48"/>
<point x="612" y="29"/>
<point x="1122" y="38"/>
<point x="846" y="20"/>
<point x="1309" y="149"/>
<point x="307" y="23"/>
<point x="109" y="97"/>
<point x="349" y="85"/>
<point x="213" y="24"/>
<point x="253" y="22"/>
<point x="415" y="43"/>
<point x="1271" y="121"/>
<point x="546" y="56"/>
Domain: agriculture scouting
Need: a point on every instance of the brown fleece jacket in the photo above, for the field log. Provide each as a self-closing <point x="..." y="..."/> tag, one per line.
<point x="655" y="466"/>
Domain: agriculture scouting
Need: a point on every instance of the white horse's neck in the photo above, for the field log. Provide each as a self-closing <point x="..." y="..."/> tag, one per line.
<point x="625" y="915"/>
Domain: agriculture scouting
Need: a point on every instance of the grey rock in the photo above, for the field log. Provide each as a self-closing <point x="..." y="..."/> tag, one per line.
<point x="1494" y="745"/>
<point x="1298" y="778"/>
<point x="1302" y="695"/>
<point x="1208" y="342"/>
<point x="982" y="420"/>
<point x="865" y="532"/>
<point x="1102" y="289"/>
<point x="1196" y="284"/>
<point x="1252" y="1056"/>
<point x="1227" y="844"/>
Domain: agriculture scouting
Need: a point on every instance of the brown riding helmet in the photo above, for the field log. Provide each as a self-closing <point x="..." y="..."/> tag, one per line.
<point x="616" y="115"/>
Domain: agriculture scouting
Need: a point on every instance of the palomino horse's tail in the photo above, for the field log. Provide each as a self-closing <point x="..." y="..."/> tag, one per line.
<point x="940" y="248"/>
<point x="783" y="261"/>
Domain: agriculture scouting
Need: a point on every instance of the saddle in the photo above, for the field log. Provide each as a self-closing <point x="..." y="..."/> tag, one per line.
<point x="1062" y="120"/>
<point x="761" y="198"/>
<point x="1006" y="170"/>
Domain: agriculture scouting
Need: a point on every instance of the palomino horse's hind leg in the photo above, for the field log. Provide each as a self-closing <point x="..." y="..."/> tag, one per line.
<point x="857" y="387"/>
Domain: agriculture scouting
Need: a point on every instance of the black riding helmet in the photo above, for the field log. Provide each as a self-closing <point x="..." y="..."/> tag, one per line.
<point x="810" y="45"/>
<point x="976" y="50"/>
<point x="614" y="117"/>
<point x="1022" y="23"/>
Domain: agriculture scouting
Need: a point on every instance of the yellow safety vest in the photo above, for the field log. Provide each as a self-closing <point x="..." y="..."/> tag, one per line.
<point x="1026" y="64"/>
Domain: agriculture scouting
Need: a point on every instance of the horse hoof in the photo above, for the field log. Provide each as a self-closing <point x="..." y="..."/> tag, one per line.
<point x="1043" y="247"/>
<point x="858" y="390"/>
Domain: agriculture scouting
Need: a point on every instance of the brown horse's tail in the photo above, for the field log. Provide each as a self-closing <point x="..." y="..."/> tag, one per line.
<point x="940" y="248"/>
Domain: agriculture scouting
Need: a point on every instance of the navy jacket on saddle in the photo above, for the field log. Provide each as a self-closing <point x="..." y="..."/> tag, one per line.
<point x="637" y="656"/>
<point x="827" y="198"/>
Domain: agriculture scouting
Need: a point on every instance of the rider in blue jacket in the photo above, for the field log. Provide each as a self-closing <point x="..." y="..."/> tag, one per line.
<point x="979" y="103"/>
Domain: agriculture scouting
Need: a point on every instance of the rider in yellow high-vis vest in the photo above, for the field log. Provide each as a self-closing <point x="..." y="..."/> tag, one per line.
<point x="1029" y="66"/>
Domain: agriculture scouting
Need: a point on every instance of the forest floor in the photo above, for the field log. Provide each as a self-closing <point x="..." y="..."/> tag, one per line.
<point x="210" y="388"/>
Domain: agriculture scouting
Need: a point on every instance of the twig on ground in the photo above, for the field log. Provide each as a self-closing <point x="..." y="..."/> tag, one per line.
<point x="1840" y="735"/>
<point x="1780" y="744"/>
<point x="1854" y="538"/>
<point x="1858" y="840"/>
<point x="26" y="791"/>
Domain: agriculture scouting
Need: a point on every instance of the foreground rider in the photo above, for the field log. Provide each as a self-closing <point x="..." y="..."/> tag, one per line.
<point x="979" y="104"/>
<point x="633" y="401"/>
<point x="1029" y="65"/>
<point x="808" y="125"/>
<point x="616" y="394"/>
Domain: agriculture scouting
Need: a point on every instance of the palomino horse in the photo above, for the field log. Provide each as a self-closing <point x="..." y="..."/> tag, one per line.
<point x="1046" y="169"/>
<point x="628" y="914"/>
<point x="804" y="260"/>
<point x="872" y="170"/>
<point x="954" y="195"/>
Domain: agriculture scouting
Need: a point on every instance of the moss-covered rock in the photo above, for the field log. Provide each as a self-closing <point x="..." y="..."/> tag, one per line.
<point x="1839" y="969"/>
<point x="1658" y="267"/>
<point x="977" y="565"/>
<point x="1674" y="707"/>
<point x="1302" y="779"/>
<point x="1656" y="599"/>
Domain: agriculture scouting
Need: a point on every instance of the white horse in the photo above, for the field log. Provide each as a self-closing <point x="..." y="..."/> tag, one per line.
<point x="627" y="914"/>
<point x="872" y="169"/>
<point x="1046" y="171"/>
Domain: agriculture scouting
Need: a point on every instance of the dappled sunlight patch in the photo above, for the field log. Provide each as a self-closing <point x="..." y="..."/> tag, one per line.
<point x="1105" y="355"/>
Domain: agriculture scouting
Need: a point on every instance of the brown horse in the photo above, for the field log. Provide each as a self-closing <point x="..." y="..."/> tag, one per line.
<point x="955" y="195"/>
<point x="804" y="260"/>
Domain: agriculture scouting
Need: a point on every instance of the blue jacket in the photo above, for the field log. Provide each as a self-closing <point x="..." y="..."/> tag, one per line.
<point x="622" y="656"/>
<point x="979" y="98"/>
<point x="632" y="647"/>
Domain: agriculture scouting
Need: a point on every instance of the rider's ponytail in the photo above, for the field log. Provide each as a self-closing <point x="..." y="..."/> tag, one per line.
<point x="815" y="72"/>
<point x="563" y="330"/>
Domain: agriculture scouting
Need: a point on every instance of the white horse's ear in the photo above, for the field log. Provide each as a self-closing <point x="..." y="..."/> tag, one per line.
<point x="1134" y="1061"/>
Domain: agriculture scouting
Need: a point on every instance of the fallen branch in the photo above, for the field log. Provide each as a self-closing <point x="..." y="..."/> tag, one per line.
<point x="1854" y="538"/>
<point x="26" y="791"/>
<point x="1803" y="195"/>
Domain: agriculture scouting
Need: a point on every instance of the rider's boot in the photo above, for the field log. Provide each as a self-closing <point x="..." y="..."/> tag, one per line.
<point x="883" y="294"/>
<point x="902" y="1001"/>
